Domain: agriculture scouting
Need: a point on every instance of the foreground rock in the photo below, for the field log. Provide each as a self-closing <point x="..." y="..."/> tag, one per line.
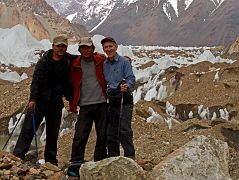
<point x="201" y="158"/>
<point x="204" y="157"/>
<point x="112" y="168"/>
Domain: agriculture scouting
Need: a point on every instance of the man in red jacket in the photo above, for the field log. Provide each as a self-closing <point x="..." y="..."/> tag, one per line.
<point x="90" y="95"/>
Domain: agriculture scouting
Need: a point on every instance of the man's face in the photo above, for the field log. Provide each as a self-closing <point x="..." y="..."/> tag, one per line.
<point x="86" y="51"/>
<point x="59" y="50"/>
<point x="110" y="49"/>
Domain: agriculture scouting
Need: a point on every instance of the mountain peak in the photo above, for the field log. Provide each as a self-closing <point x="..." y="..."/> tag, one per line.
<point x="157" y="22"/>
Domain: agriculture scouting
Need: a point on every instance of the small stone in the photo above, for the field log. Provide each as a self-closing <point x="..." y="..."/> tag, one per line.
<point x="33" y="171"/>
<point x="48" y="173"/>
<point x="7" y="172"/>
<point x="12" y="157"/>
<point x="5" y="166"/>
<point x="15" y="178"/>
<point x="51" y="167"/>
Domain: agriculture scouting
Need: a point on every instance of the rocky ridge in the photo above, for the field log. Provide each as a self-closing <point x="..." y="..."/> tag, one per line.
<point x="39" y="18"/>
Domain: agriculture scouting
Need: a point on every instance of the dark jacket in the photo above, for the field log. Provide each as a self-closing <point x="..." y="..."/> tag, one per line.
<point x="76" y="76"/>
<point x="51" y="81"/>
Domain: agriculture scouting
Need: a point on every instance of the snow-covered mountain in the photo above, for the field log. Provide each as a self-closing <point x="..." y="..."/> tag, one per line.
<point x="96" y="11"/>
<point x="164" y="22"/>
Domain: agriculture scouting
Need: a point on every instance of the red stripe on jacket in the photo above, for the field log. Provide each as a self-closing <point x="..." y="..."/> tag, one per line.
<point x="76" y="77"/>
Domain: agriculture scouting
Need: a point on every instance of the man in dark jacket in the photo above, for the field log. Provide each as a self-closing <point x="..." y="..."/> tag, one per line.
<point x="49" y="84"/>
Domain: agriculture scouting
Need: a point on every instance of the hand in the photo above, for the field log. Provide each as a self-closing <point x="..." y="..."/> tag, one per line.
<point x="70" y="109"/>
<point x="124" y="87"/>
<point x="67" y="106"/>
<point x="31" y="104"/>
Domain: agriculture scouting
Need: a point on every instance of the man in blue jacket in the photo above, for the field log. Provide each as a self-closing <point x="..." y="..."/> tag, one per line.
<point x="120" y="83"/>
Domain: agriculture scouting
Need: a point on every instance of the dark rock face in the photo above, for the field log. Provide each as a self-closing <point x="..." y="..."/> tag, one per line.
<point x="202" y="23"/>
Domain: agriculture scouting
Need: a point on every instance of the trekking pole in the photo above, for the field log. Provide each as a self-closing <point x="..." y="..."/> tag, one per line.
<point x="121" y="109"/>
<point x="18" y="120"/>
<point x="35" y="134"/>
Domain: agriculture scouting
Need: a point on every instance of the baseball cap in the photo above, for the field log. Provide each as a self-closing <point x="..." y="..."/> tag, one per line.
<point x="60" y="40"/>
<point x="87" y="41"/>
<point x="108" y="39"/>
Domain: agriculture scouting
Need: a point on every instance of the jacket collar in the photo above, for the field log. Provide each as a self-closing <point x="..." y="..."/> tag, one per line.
<point x="77" y="61"/>
<point x="116" y="58"/>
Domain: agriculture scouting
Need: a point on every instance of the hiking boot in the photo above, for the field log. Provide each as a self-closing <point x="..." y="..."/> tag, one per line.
<point x="74" y="168"/>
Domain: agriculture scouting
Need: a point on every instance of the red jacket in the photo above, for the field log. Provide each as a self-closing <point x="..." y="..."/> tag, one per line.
<point x="76" y="77"/>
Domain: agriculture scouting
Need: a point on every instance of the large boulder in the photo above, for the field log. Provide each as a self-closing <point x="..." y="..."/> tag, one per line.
<point x="116" y="168"/>
<point x="202" y="158"/>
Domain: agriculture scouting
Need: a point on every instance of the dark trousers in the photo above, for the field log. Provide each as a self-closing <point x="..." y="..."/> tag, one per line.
<point x="52" y="113"/>
<point x="87" y="115"/>
<point x="119" y="131"/>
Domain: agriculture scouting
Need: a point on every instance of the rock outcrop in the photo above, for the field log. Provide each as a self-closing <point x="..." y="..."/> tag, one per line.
<point x="39" y="18"/>
<point x="233" y="50"/>
<point x="11" y="16"/>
